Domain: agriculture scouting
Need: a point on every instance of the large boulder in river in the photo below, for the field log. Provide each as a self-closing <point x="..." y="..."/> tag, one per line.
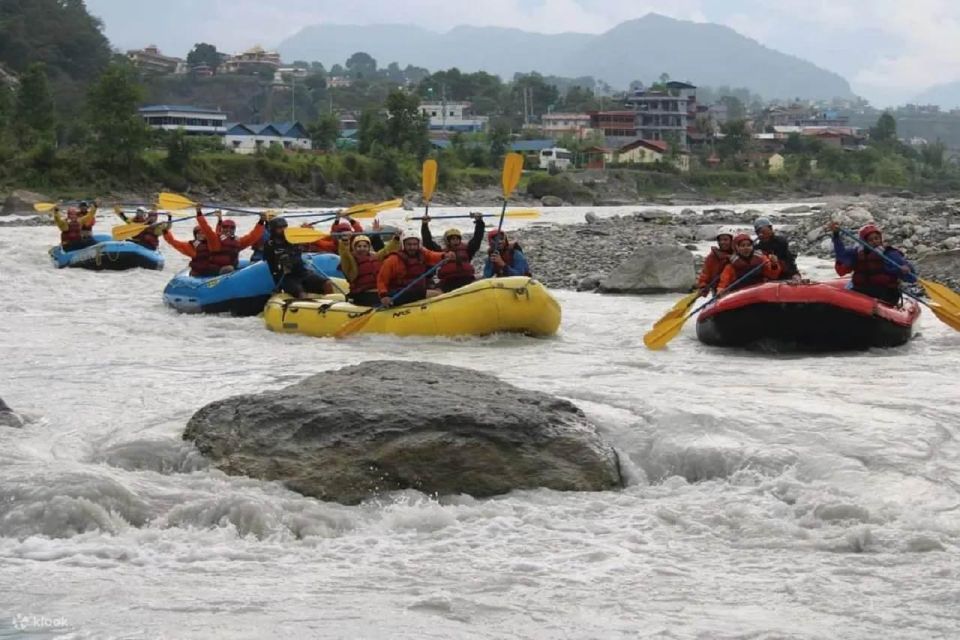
<point x="659" y="269"/>
<point x="943" y="266"/>
<point x="21" y="201"/>
<point x="551" y="201"/>
<point x="379" y="426"/>
<point x="7" y="417"/>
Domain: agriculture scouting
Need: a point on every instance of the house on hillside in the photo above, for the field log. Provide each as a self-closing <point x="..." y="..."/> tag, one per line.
<point x="249" y="138"/>
<point x="149" y="60"/>
<point x="193" y="120"/>
<point x="648" y="152"/>
<point x="557" y="125"/>
<point x="665" y="114"/>
<point x="252" y="61"/>
<point x="453" y="116"/>
<point x="614" y="123"/>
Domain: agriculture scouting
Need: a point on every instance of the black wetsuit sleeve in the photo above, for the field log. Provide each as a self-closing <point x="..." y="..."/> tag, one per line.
<point x="478" y="228"/>
<point x="426" y="238"/>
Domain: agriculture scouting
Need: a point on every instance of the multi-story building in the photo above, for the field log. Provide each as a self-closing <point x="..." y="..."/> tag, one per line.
<point x="556" y="125"/>
<point x="619" y="124"/>
<point x="193" y="120"/>
<point x="665" y="114"/>
<point x="252" y="61"/>
<point x="453" y="116"/>
<point x="150" y="60"/>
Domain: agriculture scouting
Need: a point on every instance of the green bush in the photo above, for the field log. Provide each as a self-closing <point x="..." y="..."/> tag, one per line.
<point x="541" y="185"/>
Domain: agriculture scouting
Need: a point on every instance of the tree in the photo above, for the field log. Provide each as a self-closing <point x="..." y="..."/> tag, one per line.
<point x="204" y="53"/>
<point x="337" y="70"/>
<point x="886" y="129"/>
<point x="324" y="132"/>
<point x="370" y="131"/>
<point x="735" y="108"/>
<point x="406" y="127"/>
<point x="179" y="151"/>
<point x="933" y="154"/>
<point x="119" y="133"/>
<point x="736" y="140"/>
<point x="34" y="121"/>
<point x="361" y="65"/>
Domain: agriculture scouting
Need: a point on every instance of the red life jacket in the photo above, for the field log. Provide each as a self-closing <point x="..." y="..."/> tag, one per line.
<point x="741" y="266"/>
<point x="74" y="233"/>
<point x="366" y="279"/>
<point x="147" y="238"/>
<point x="458" y="268"/>
<point x="413" y="269"/>
<point x="229" y="254"/>
<point x="506" y="254"/>
<point x="86" y="230"/>
<point x="201" y="265"/>
<point x="868" y="271"/>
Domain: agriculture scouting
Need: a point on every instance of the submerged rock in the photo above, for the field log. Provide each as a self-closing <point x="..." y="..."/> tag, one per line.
<point x="7" y="417"/>
<point x="348" y="434"/>
<point x="653" y="270"/>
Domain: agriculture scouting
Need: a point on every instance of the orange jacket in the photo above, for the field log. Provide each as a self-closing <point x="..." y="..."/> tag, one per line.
<point x="213" y="239"/>
<point x="712" y="267"/>
<point x="186" y="248"/>
<point x="393" y="272"/>
<point x="329" y="245"/>
<point x="769" y="271"/>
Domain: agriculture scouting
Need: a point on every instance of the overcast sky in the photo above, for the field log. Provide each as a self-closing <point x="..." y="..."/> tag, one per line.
<point x="890" y="50"/>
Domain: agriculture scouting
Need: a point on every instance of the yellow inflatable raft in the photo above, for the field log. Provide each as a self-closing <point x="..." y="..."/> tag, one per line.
<point x="518" y="304"/>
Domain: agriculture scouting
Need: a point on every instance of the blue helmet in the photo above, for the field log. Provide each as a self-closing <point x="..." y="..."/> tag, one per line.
<point x="760" y="223"/>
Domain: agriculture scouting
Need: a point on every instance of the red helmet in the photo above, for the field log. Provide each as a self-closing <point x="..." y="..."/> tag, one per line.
<point x="867" y="229"/>
<point x="740" y="237"/>
<point x="229" y="224"/>
<point x="341" y="227"/>
<point x="492" y="235"/>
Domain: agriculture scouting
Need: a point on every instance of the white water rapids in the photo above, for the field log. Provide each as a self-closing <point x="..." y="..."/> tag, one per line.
<point x="771" y="496"/>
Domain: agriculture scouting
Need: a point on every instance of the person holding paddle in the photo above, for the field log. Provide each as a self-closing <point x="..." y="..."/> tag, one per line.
<point x="285" y="260"/>
<point x="404" y="267"/>
<point x="360" y="262"/>
<point x="504" y="258"/>
<point x="197" y="250"/>
<point x="149" y="237"/>
<point x="459" y="271"/>
<point x="872" y="274"/>
<point x="225" y="246"/>
<point x="772" y="244"/>
<point x="747" y="261"/>
<point x="76" y="232"/>
<point x="718" y="258"/>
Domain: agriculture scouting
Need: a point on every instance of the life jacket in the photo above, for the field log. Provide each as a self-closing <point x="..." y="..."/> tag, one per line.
<point x="717" y="260"/>
<point x="86" y="230"/>
<point x="506" y="254"/>
<point x="458" y="268"/>
<point x="413" y="268"/>
<point x="201" y="264"/>
<point x="868" y="271"/>
<point x="148" y="238"/>
<point x="229" y="254"/>
<point x="74" y="233"/>
<point x="366" y="279"/>
<point x="741" y="266"/>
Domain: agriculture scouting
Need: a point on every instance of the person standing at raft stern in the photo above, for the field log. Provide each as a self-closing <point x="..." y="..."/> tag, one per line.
<point x="743" y="262"/>
<point x="776" y="245"/>
<point x="401" y="268"/>
<point x="718" y="258"/>
<point x="504" y="258"/>
<point x="459" y="271"/>
<point x="285" y="260"/>
<point x="872" y="275"/>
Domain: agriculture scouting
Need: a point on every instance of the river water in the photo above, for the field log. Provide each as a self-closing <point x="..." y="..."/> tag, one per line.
<point x="771" y="495"/>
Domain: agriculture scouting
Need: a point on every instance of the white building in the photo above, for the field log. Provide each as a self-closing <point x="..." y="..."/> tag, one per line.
<point x="555" y="125"/>
<point x="192" y="120"/>
<point x="248" y="138"/>
<point x="453" y="116"/>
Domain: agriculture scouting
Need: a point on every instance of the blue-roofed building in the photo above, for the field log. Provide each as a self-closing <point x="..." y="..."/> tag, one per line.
<point x="532" y="146"/>
<point x="193" y="120"/>
<point x="248" y="138"/>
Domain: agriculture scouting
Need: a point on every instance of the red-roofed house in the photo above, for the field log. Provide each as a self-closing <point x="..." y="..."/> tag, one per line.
<point x="648" y="152"/>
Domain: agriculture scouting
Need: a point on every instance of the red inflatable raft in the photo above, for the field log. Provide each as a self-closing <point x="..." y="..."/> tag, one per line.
<point x="823" y="315"/>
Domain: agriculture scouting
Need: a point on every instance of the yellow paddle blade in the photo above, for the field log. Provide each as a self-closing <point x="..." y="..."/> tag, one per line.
<point x="429" y="178"/>
<point x="369" y="210"/>
<point x="522" y="213"/>
<point x="658" y="337"/>
<point x="946" y="315"/>
<point x="304" y="235"/>
<point x="352" y="326"/>
<point x="127" y="231"/>
<point x="512" y="169"/>
<point x="43" y="207"/>
<point x="942" y="295"/>
<point x="174" y="201"/>
<point x="678" y="309"/>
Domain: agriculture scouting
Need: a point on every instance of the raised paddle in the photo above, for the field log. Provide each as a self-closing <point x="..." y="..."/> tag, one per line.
<point x="175" y="202"/>
<point x="660" y="336"/>
<point x="429" y="182"/>
<point x="358" y="323"/>
<point x="306" y="235"/>
<point x="947" y="299"/>
<point x="133" y="229"/>
<point x="683" y="304"/>
<point x="515" y="213"/>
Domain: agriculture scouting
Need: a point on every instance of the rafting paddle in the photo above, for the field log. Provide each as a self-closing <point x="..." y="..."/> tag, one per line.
<point x="660" y="336"/>
<point x="358" y="323"/>
<point x="516" y="213"/>
<point x="429" y="182"/>
<point x="683" y="304"/>
<point x="175" y="202"/>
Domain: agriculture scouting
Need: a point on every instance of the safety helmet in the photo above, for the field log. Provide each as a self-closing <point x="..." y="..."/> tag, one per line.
<point x="453" y="231"/>
<point x="415" y="238"/>
<point x="492" y="235"/>
<point x="228" y="224"/>
<point x="141" y="210"/>
<point x="359" y="238"/>
<point x="84" y="204"/>
<point x="724" y="231"/>
<point x="740" y="237"/>
<point x="760" y="223"/>
<point x="278" y="223"/>
<point x="867" y="229"/>
<point x="341" y="227"/>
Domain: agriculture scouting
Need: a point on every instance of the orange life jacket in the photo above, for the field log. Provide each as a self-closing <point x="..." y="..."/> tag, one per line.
<point x="458" y="268"/>
<point x="742" y="265"/>
<point x="366" y="279"/>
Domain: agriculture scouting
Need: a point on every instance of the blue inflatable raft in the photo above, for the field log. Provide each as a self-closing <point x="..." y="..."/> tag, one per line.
<point x="241" y="293"/>
<point x="108" y="255"/>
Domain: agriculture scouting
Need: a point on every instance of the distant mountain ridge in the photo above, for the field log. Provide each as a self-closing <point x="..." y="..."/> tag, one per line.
<point x="946" y="95"/>
<point x="641" y="49"/>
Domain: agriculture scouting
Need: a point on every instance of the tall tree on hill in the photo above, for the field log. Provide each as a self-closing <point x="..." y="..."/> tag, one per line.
<point x="406" y="127"/>
<point x="736" y="141"/>
<point x="203" y="53"/>
<point x="361" y="65"/>
<point x="886" y="129"/>
<point x="34" y="121"/>
<point x="370" y="131"/>
<point x="119" y="133"/>
<point x="324" y="132"/>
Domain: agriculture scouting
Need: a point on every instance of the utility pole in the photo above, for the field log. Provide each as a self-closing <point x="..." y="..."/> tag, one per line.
<point x="293" y="92"/>
<point x="443" y="105"/>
